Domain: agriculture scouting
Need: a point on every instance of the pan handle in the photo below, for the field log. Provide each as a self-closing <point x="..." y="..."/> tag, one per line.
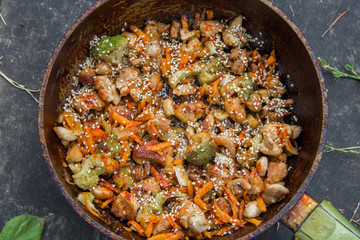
<point x="313" y="221"/>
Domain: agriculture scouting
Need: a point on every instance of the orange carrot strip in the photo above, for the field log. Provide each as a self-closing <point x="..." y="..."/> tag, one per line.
<point x="184" y="23"/>
<point x="177" y="162"/>
<point x="86" y="199"/>
<point x="123" y="120"/>
<point x="159" y="146"/>
<point x="125" y="151"/>
<point x="272" y="68"/>
<point x="89" y="141"/>
<point x="172" y="222"/>
<point x="164" y="184"/>
<point x="84" y="151"/>
<point x="202" y="89"/>
<point x="209" y="14"/>
<point x="222" y="231"/>
<point x="128" y="229"/>
<point x="190" y="189"/>
<point x="270" y="60"/>
<point x="207" y="234"/>
<point x="136" y="139"/>
<point x="261" y="204"/>
<point x="68" y="122"/>
<point x="198" y="201"/>
<point x="184" y="58"/>
<point x="231" y="195"/>
<point x="252" y="75"/>
<point x="153" y="219"/>
<point x="141" y="105"/>
<point x="207" y="187"/>
<point x="137" y="227"/>
<point x="139" y="33"/>
<point x="107" y="185"/>
<point x="166" y="236"/>
<point x="224" y="216"/>
<point x="254" y="221"/>
<point x="215" y="87"/>
<point x="98" y="134"/>
<point x="107" y="202"/>
<point x="241" y="210"/>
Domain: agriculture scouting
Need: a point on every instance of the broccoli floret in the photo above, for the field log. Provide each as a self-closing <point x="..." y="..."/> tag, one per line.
<point x="110" y="145"/>
<point x="110" y="49"/>
<point x="190" y="70"/>
<point x="92" y="167"/>
<point x="246" y="87"/>
<point x="202" y="150"/>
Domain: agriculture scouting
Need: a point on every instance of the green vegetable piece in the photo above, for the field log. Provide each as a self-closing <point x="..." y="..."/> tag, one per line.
<point x="110" y="145"/>
<point x="202" y="151"/>
<point x="209" y="74"/>
<point x="91" y="197"/>
<point x="110" y="49"/>
<point x="190" y="70"/>
<point x="23" y="227"/>
<point x="246" y="88"/>
<point x="92" y="167"/>
<point x="123" y="179"/>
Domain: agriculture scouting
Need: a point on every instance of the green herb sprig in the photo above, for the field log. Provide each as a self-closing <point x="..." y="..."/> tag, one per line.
<point x="337" y="73"/>
<point x="344" y="150"/>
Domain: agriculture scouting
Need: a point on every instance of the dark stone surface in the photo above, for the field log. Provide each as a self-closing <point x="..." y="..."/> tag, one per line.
<point x="34" y="29"/>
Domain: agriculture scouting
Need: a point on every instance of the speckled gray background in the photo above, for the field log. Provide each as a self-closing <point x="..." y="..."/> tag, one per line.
<point x="34" y="29"/>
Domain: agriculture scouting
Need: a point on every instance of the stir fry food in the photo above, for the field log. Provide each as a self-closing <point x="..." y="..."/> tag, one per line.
<point x="178" y="129"/>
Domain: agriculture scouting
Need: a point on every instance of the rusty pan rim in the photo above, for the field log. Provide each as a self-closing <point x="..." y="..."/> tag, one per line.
<point x="289" y="205"/>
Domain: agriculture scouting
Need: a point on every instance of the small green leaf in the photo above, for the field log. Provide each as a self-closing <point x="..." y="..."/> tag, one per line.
<point x="23" y="227"/>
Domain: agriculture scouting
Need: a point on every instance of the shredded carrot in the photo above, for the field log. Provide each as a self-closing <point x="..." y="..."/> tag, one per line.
<point x="159" y="146"/>
<point x="177" y="162"/>
<point x="252" y="75"/>
<point x="193" y="57"/>
<point x="270" y="60"/>
<point x="84" y="151"/>
<point x="86" y="199"/>
<point x="272" y="68"/>
<point x="165" y="62"/>
<point x="198" y="201"/>
<point x="89" y="141"/>
<point x="125" y="153"/>
<point x="222" y="231"/>
<point x="136" y="139"/>
<point x="207" y="187"/>
<point x="254" y="221"/>
<point x="139" y="33"/>
<point x="231" y="195"/>
<point x="137" y="227"/>
<point x="107" y="185"/>
<point x="166" y="236"/>
<point x="128" y="229"/>
<point x="184" y="23"/>
<point x="245" y="196"/>
<point x="234" y="203"/>
<point x="273" y="53"/>
<point x="214" y="91"/>
<point x="141" y="105"/>
<point x="207" y="234"/>
<point x="123" y="120"/>
<point x="261" y="204"/>
<point x="129" y="103"/>
<point x="190" y="189"/>
<point x="98" y="134"/>
<point x="184" y="58"/>
<point x="209" y="14"/>
<point x="172" y="222"/>
<point x="107" y="202"/>
<point x="153" y="220"/>
<point x="224" y="216"/>
<point x="241" y="209"/>
<point x="164" y="184"/>
<point x="202" y="89"/>
<point x="68" y="122"/>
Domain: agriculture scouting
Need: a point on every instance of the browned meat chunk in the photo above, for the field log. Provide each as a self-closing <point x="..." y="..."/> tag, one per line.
<point x="276" y="172"/>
